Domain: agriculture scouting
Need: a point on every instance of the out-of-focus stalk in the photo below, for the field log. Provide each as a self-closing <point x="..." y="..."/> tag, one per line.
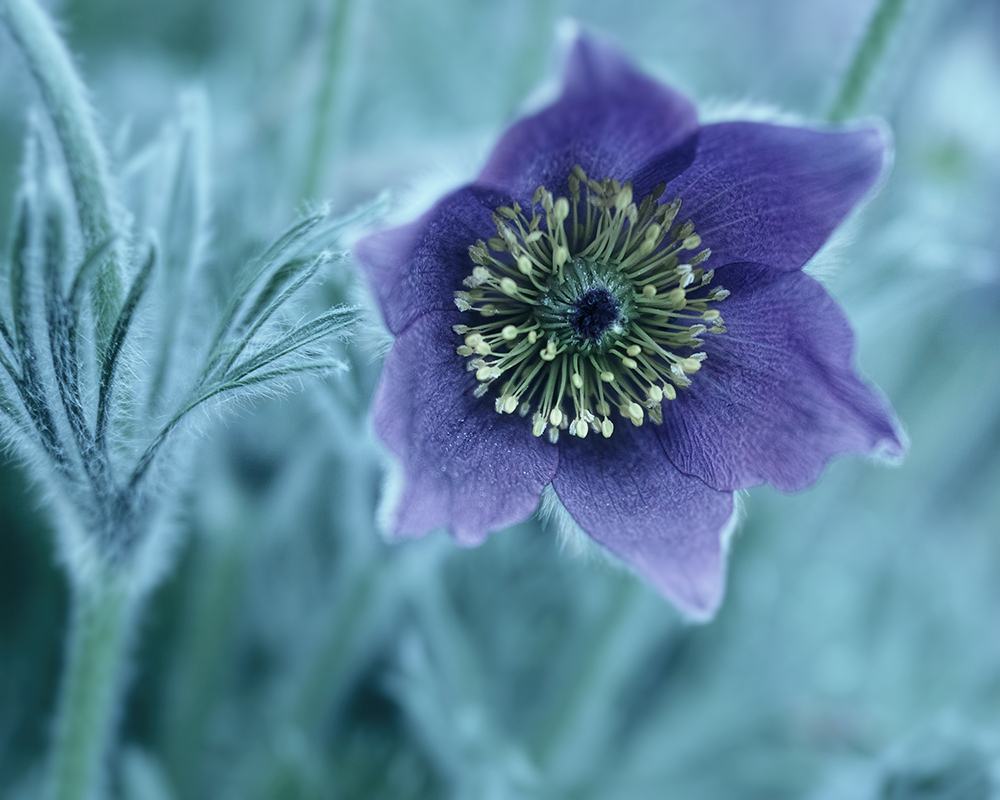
<point x="200" y="659"/>
<point x="333" y="66"/>
<point x="65" y="99"/>
<point x="102" y="614"/>
<point x="866" y="59"/>
<point x="571" y="704"/>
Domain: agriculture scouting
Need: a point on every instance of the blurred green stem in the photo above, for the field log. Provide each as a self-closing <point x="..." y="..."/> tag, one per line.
<point x="572" y="703"/>
<point x="200" y="662"/>
<point x="866" y="59"/>
<point x="370" y="593"/>
<point x="529" y="66"/>
<point x="102" y="612"/>
<point x="325" y="674"/>
<point x="65" y="98"/>
<point x="326" y="102"/>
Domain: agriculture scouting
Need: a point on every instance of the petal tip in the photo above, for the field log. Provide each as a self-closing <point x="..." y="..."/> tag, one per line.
<point x="873" y="149"/>
<point x="882" y="143"/>
<point x="399" y="519"/>
<point x="699" y="597"/>
<point x="669" y="528"/>
<point x="592" y="64"/>
<point x="891" y="450"/>
<point x="698" y="602"/>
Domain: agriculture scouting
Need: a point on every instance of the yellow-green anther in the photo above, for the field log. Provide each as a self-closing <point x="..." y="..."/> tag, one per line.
<point x="701" y="256"/>
<point x="560" y="257"/>
<point x="560" y="210"/>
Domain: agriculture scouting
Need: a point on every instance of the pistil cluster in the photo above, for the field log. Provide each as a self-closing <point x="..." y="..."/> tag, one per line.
<point x="588" y="303"/>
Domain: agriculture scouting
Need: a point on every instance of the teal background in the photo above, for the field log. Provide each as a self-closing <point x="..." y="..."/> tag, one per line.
<point x="292" y="654"/>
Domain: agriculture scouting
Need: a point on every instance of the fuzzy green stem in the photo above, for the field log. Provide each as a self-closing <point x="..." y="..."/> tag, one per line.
<point x="333" y="65"/>
<point x="101" y="617"/>
<point x="65" y="98"/>
<point x="866" y="59"/>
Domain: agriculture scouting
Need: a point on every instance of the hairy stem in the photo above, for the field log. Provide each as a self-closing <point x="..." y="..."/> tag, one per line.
<point x="102" y="612"/>
<point x="65" y="98"/>
<point x="866" y="59"/>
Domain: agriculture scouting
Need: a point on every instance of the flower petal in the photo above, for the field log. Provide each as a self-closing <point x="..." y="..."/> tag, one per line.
<point x="670" y="527"/>
<point x="417" y="268"/>
<point x="609" y="119"/>
<point x="778" y="395"/>
<point x="466" y="467"/>
<point x="773" y="194"/>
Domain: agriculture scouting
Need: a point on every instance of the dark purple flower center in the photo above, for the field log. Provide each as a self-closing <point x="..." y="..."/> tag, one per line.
<point x="594" y="313"/>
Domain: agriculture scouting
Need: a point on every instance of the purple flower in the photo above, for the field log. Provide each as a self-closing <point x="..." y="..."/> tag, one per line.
<point x="616" y="307"/>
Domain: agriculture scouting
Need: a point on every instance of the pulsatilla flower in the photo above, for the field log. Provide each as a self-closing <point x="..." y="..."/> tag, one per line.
<point x="616" y="308"/>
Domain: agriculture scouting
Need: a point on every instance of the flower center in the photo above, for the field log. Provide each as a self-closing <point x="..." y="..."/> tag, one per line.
<point x="593" y="314"/>
<point x="590" y="305"/>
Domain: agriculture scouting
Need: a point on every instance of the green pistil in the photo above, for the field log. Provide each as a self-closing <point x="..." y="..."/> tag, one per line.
<point x="595" y="253"/>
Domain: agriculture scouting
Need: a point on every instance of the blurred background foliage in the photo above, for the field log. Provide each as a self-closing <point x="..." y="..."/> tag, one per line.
<point x="292" y="654"/>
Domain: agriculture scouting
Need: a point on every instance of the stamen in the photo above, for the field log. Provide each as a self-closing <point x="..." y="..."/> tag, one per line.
<point x="582" y="303"/>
